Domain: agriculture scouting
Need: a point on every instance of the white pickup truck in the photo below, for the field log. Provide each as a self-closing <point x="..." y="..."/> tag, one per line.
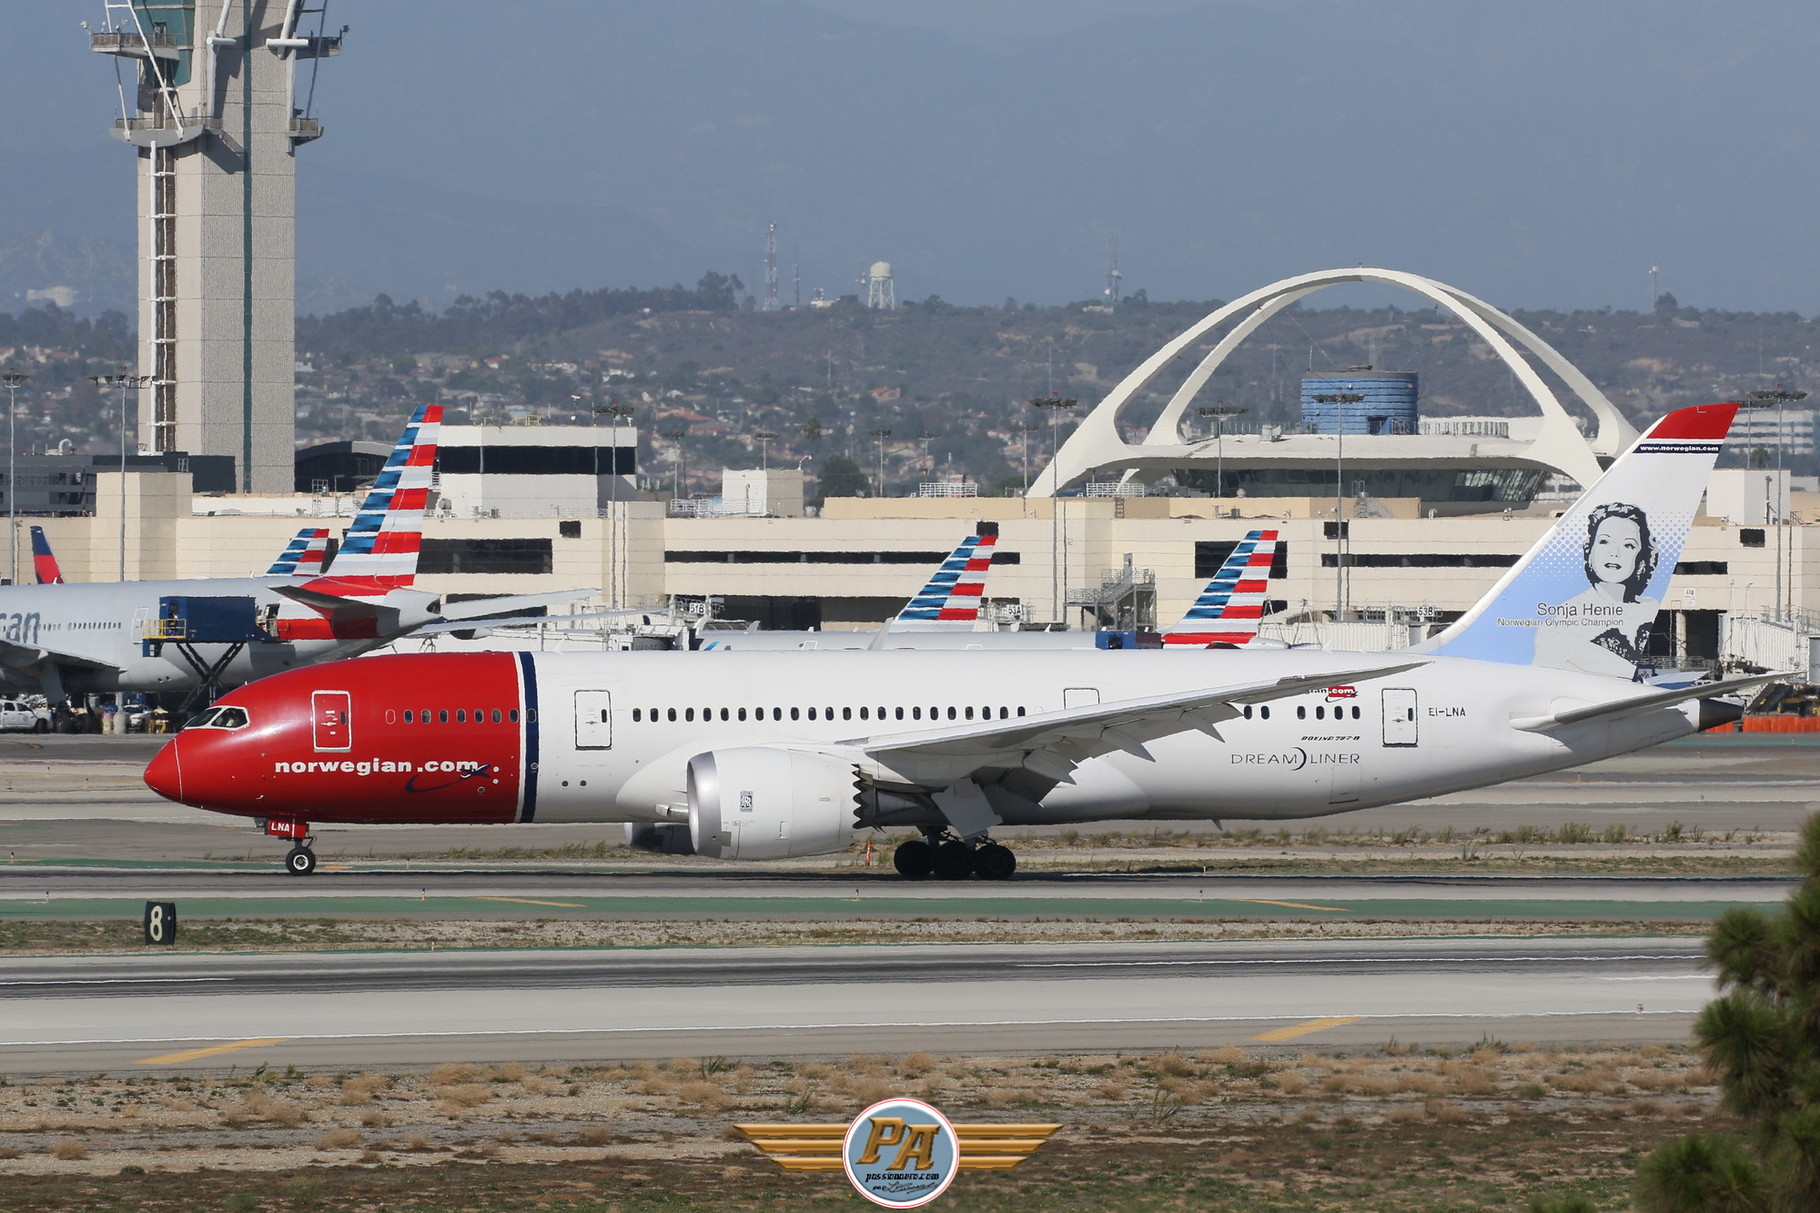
<point x="16" y="717"/>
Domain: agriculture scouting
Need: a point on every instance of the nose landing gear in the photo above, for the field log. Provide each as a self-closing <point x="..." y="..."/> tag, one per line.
<point x="301" y="861"/>
<point x="951" y="858"/>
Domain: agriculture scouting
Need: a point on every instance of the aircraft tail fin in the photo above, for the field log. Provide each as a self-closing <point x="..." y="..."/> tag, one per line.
<point x="304" y="555"/>
<point x="1230" y="605"/>
<point x="44" y="561"/>
<point x="1584" y="597"/>
<point x="951" y="599"/>
<point x="381" y="547"/>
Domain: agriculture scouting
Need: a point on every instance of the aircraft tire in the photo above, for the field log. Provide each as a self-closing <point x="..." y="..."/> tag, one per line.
<point x="914" y="860"/>
<point x="953" y="861"/>
<point x="994" y="862"/>
<point x="300" y="862"/>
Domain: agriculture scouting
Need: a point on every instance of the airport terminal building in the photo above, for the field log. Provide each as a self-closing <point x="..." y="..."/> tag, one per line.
<point x="1387" y="524"/>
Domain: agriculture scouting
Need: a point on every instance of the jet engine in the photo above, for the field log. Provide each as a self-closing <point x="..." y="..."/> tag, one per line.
<point x="771" y="802"/>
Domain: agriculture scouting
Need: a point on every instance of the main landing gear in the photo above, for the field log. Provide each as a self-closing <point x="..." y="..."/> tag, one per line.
<point x="949" y="858"/>
<point x="301" y="861"/>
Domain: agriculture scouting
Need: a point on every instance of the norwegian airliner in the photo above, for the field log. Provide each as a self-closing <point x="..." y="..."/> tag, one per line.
<point x="766" y="755"/>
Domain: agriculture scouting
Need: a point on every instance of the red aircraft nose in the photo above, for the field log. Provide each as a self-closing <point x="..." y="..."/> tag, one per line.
<point x="164" y="774"/>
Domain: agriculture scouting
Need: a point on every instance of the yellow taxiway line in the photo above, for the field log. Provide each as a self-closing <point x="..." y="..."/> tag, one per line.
<point x="1294" y="905"/>
<point x="526" y="901"/>
<point x="171" y="1059"/>
<point x="1303" y="1029"/>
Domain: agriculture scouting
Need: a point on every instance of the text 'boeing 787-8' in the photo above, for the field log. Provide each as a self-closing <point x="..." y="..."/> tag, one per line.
<point x="766" y="755"/>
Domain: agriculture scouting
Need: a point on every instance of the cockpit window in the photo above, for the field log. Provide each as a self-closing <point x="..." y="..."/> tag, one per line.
<point x="220" y="718"/>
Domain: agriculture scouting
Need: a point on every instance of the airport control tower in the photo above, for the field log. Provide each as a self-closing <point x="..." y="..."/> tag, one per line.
<point x="216" y="96"/>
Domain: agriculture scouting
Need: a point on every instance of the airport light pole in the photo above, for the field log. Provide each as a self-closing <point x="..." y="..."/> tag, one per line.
<point x="926" y="437"/>
<point x="621" y="415"/>
<point x="676" y="459"/>
<point x="122" y="381"/>
<point x="1219" y="413"/>
<point x="1779" y="397"/>
<point x="1023" y="430"/>
<point x="1339" y="494"/>
<point x="12" y="378"/>
<point x="880" y="435"/>
<point x="763" y="438"/>
<point x="1055" y="406"/>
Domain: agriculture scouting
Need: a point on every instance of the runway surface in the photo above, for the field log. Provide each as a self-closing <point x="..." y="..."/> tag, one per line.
<point x="178" y="1012"/>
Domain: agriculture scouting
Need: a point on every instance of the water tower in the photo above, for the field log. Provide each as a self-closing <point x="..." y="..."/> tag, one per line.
<point x="879" y="291"/>
<point x="216" y="97"/>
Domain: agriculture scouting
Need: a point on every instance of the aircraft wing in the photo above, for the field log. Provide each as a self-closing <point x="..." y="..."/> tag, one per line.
<point x="1638" y="703"/>
<point x="477" y="608"/>
<point x="1052" y="744"/>
<point x="25" y="656"/>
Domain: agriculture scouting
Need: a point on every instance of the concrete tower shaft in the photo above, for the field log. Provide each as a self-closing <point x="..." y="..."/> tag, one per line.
<point x="216" y="97"/>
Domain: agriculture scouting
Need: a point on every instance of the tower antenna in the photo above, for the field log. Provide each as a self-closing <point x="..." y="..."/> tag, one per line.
<point x="771" y="303"/>
<point x="1114" y="279"/>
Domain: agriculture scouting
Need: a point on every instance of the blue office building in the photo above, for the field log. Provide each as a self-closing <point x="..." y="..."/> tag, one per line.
<point x="1388" y="404"/>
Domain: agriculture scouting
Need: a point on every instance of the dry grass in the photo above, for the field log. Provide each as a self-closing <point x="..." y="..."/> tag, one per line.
<point x="258" y="1105"/>
<point x="338" y="1139"/>
<point x="69" y="1150"/>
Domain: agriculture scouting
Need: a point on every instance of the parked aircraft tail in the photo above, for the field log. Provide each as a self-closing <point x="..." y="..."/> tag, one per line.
<point x="44" y="561"/>
<point x="1584" y="597"/>
<point x="381" y="547"/>
<point x="951" y="599"/>
<point x="303" y="556"/>
<point x="1229" y="607"/>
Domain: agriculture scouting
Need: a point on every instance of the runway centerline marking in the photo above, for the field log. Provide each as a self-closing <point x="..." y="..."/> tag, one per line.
<point x="111" y="981"/>
<point x="171" y="1059"/>
<point x="1306" y="1029"/>
<point x="1294" y="905"/>
<point x="526" y="901"/>
<point x="1334" y="960"/>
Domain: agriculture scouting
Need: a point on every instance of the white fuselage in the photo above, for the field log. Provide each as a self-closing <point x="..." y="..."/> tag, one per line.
<point x="1310" y="755"/>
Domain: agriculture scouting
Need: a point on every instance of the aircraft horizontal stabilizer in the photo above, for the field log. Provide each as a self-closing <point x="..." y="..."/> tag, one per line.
<point x="478" y="608"/>
<point x="339" y="609"/>
<point x="1639" y="703"/>
<point x="1051" y="744"/>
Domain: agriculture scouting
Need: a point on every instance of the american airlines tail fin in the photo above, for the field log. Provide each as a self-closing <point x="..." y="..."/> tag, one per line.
<point x="381" y="547"/>
<point x="303" y="556"/>
<point x="1228" y="610"/>
<point x="1584" y="597"/>
<point x="951" y="600"/>
<point x="44" y="561"/>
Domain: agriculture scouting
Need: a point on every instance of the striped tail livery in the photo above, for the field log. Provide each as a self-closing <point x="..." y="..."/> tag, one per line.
<point x="44" y="561"/>
<point x="952" y="597"/>
<point x="381" y="547"/>
<point x="1229" y="607"/>
<point x="304" y="555"/>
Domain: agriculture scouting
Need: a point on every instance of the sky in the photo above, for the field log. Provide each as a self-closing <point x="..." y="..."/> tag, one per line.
<point x="1538" y="153"/>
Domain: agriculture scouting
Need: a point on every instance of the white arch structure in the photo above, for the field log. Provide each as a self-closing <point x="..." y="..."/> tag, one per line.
<point x="1097" y="445"/>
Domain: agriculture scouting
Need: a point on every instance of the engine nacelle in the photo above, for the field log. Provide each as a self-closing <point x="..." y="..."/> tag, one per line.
<point x="771" y="802"/>
<point x="660" y="839"/>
